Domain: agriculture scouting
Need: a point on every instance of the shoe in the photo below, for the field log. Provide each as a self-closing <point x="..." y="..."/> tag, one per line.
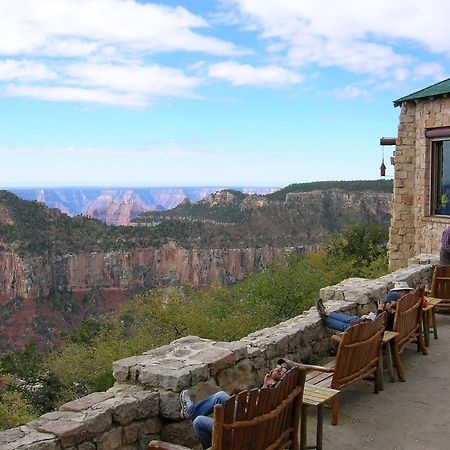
<point x="185" y="403"/>
<point x="321" y="308"/>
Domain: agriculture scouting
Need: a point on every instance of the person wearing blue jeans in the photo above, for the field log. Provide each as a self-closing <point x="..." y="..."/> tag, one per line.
<point x="339" y="321"/>
<point x="199" y="411"/>
<point x="335" y="320"/>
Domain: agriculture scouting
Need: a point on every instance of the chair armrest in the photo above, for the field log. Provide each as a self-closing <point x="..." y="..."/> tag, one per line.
<point x="336" y="338"/>
<point x="318" y="368"/>
<point x="161" y="445"/>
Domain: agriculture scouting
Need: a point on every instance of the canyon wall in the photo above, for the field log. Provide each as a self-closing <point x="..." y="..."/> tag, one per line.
<point x="169" y="265"/>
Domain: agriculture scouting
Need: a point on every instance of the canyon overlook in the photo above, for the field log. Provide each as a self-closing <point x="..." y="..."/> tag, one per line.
<point x="57" y="270"/>
<point x="96" y="283"/>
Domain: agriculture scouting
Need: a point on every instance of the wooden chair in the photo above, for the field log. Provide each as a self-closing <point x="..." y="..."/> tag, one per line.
<point x="440" y="287"/>
<point x="357" y="358"/>
<point x="408" y="324"/>
<point x="257" y="419"/>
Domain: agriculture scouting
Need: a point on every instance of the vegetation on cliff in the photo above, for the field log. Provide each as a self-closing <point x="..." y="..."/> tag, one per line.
<point x="153" y="318"/>
<point x="226" y="219"/>
<point x="357" y="185"/>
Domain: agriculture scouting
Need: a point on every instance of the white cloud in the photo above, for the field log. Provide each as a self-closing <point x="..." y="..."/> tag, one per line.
<point x="81" y="26"/>
<point x="244" y="74"/>
<point x="376" y="37"/>
<point x="69" y="94"/>
<point x="11" y="69"/>
<point x="350" y="92"/>
<point x="152" y="79"/>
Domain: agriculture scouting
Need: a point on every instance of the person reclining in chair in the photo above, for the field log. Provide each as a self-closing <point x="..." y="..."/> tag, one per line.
<point x="340" y="321"/>
<point x="200" y="411"/>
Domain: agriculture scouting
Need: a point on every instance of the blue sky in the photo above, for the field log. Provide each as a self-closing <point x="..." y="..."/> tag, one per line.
<point x="230" y="92"/>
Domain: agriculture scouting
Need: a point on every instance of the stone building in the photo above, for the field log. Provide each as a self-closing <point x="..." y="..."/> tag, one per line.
<point x="421" y="203"/>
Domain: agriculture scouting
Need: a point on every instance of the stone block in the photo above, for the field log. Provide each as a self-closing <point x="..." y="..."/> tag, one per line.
<point x="148" y="404"/>
<point x="125" y="410"/>
<point x="111" y="440"/>
<point x="26" y="438"/>
<point x="86" y="446"/>
<point x="98" y="421"/>
<point x="237" y="347"/>
<point x="132" y="432"/>
<point x="158" y="376"/>
<point x="169" y="405"/>
<point x="180" y="433"/>
<point x="237" y="378"/>
<point x="67" y="431"/>
<point x="86" y="402"/>
<point x="152" y="426"/>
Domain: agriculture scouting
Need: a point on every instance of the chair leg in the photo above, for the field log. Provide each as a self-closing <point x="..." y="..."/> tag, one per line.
<point x="421" y="344"/>
<point x="398" y="363"/>
<point x="335" y="410"/>
<point x="377" y="383"/>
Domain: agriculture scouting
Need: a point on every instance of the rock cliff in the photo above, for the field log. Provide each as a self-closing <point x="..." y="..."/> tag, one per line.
<point x="40" y="296"/>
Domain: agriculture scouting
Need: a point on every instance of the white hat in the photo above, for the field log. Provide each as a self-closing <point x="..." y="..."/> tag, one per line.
<point x="401" y="286"/>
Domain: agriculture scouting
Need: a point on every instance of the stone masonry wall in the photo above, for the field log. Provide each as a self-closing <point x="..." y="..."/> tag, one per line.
<point x="413" y="230"/>
<point x="143" y="403"/>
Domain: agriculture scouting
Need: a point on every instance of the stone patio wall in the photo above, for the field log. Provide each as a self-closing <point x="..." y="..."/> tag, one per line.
<point x="143" y="403"/>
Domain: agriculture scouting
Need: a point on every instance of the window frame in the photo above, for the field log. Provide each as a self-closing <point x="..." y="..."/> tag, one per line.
<point x="436" y="163"/>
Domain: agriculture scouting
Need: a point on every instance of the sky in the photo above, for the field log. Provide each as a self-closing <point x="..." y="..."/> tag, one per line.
<point x="209" y="92"/>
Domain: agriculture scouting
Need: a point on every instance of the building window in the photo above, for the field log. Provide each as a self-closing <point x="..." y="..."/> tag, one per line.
<point x="440" y="178"/>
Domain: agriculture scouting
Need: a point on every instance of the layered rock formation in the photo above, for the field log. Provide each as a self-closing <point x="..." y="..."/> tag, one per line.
<point x="93" y="283"/>
<point x="37" y="276"/>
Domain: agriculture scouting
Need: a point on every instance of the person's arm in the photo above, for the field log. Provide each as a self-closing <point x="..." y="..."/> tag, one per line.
<point x="268" y="380"/>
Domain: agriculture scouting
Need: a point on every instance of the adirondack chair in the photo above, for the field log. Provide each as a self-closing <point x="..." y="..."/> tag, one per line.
<point x="440" y="287"/>
<point x="257" y="419"/>
<point x="408" y="324"/>
<point x="357" y="358"/>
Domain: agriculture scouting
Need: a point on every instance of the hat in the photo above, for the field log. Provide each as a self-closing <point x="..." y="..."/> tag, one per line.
<point x="390" y="297"/>
<point x="289" y="364"/>
<point x="401" y="286"/>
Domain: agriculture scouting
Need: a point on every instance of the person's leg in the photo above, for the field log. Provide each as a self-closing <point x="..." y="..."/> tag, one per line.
<point x="203" y="426"/>
<point x="206" y="406"/>
<point x="339" y="321"/>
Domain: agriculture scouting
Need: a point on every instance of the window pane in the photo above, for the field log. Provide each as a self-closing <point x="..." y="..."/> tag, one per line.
<point x="441" y="171"/>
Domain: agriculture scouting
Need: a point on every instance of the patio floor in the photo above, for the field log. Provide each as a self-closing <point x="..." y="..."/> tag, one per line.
<point x="405" y="416"/>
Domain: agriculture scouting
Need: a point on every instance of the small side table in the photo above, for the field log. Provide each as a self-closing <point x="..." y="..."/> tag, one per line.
<point x="387" y="337"/>
<point x="314" y="396"/>
<point x="429" y="316"/>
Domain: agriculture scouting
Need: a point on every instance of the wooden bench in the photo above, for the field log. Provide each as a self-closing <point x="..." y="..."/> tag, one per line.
<point x="257" y="419"/>
<point x="440" y="287"/>
<point x="358" y="357"/>
<point x="408" y="325"/>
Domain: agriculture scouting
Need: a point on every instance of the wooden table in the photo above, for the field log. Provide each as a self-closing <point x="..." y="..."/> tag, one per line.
<point x="314" y="396"/>
<point x="429" y="315"/>
<point x="387" y="337"/>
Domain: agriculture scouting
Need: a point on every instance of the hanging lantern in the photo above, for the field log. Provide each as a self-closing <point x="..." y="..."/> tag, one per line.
<point x="382" y="167"/>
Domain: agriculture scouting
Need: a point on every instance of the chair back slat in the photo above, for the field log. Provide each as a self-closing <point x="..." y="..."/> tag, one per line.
<point x="408" y="317"/>
<point x="440" y="286"/>
<point x="359" y="351"/>
<point x="261" y="419"/>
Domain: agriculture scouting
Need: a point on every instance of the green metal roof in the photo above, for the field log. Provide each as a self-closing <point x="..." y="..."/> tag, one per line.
<point x="441" y="88"/>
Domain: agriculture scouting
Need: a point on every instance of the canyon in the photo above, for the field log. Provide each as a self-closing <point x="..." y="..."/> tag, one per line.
<point x="118" y="206"/>
<point x="42" y="296"/>
<point x="56" y="271"/>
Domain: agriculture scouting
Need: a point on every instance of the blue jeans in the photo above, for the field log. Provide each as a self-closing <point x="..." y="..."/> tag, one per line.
<point x="338" y="321"/>
<point x="199" y="413"/>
